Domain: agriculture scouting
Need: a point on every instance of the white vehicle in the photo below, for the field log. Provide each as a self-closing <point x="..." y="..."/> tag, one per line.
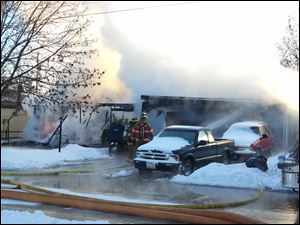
<point x="250" y="137"/>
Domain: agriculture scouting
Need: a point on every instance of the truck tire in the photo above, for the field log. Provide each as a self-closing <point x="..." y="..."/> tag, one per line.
<point x="187" y="167"/>
<point x="110" y="150"/>
<point x="225" y="158"/>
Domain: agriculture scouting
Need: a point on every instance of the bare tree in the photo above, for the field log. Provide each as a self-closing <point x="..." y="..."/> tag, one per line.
<point x="289" y="46"/>
<point x="44" y="47"/>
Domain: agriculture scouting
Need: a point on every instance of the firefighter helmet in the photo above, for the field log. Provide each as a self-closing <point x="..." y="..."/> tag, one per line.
<point x="144" y="116"/>
<point x="133" y="121"/>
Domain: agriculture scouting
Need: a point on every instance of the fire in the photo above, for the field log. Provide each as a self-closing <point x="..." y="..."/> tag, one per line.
<point x="47" y="128"/>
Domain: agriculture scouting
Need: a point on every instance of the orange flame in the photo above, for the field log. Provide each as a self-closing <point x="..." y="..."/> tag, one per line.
<point x="47" y="128"/>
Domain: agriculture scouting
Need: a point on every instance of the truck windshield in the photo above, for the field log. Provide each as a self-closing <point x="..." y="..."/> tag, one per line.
<point x="185" y="134"/>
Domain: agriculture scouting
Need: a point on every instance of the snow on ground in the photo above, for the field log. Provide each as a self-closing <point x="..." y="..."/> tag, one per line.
<point x="38" y="217"/>
<point x="216" y="174"/>
<point x="20" y="158"/>
<point x="235" y="175"/>
<point x="17" y="202"/>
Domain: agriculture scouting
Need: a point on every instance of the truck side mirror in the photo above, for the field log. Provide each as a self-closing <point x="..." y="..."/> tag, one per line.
<point x="202" y="142"/>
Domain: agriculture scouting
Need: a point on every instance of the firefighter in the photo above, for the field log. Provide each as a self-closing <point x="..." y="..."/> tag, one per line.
<point x="141" y="133"/>
<point x="129" y="139"/>
<point x="115" y="136"/>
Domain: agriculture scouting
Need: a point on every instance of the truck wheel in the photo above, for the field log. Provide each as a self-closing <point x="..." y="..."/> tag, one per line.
<point x="225" y="158"/>
<point x="110" y="149"/>
<point x="187" y="167"/>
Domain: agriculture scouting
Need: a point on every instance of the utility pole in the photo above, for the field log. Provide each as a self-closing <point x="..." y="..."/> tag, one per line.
<point x="60" y="130"/>
<point x="62" y="117"/>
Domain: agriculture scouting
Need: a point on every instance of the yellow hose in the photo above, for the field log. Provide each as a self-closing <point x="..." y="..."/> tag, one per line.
<point x="192" y="206"/>
<point x="54" y="173"/>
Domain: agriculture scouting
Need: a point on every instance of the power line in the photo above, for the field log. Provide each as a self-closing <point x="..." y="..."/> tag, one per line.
<point x="133" y="9"/>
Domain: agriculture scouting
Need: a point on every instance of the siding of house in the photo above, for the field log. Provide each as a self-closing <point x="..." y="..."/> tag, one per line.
<point x="157" y="120"/>
<point x="16" y="123"/>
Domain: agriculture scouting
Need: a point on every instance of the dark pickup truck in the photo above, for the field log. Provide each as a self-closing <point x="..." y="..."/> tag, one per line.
<point x="181" y="149"/>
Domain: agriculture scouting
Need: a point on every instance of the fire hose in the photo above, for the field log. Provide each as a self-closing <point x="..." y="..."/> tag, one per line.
<point x="178" y="213"/>
<point x="54" y="173"/>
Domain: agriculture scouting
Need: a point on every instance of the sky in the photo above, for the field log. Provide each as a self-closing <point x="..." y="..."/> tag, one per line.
<point x="195" y="49"/>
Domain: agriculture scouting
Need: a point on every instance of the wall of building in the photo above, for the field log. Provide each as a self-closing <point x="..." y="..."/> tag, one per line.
<point x="16" y="123"/>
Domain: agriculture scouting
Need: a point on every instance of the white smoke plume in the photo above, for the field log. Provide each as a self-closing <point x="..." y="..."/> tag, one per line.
<point x="199" y="50"/>
<point x="210" y="50"/>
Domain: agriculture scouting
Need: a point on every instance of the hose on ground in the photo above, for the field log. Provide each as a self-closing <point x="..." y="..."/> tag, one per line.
<point x="190" y="206"/>
<point x="54" y="173"/>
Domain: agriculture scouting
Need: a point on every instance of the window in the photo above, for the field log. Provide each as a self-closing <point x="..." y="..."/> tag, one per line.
<point x="210" y="137"/>
<point x="264" y="130"/>
<point x="255" y="130"/>
<point x="202" y="136"/>
<point x="267" y="130"/>
<point x="187" y="135"/>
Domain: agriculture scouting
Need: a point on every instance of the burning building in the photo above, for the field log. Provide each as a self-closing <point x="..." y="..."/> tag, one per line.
<point x="218" y="114"/>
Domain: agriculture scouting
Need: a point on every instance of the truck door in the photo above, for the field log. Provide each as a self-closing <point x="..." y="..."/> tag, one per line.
<point x="204" y="152"/>
<point x="218" y="152"/>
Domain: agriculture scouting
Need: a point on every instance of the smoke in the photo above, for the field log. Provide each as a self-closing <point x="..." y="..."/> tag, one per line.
<point x="213" y="52"/>
<point x="82" y="128"/>
<point x="111" y="86"/>
<point x="282" y="86"/>
<point x="35" y="127"/>
<point x="199" y="50"/>
<point x="149" y="73"/>
<point x="201" y="53"/>
<point x="224" y="120"/>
